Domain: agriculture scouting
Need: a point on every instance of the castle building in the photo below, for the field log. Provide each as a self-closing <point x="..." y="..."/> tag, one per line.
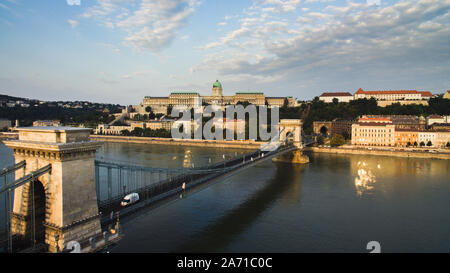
<point x="393" y="95"/>
<point x="192" y="99"/>
<point x="340" y="96"/>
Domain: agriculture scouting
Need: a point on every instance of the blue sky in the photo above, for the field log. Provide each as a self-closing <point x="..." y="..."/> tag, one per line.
<point x="121" y="50"/>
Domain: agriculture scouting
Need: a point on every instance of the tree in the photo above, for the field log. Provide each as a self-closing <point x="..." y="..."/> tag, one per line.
<point x="408" y="144"/>
<point x="125" y="132"/>
<point x="422" y="144"/>
<point x="346" y="135"/>
<point x="415" y="143"/>
<point x="169" y="109"/>
<point x="335" y="100"/>
<point x="429" y="143"/>
<point x="148" y="109"/>
<point x="337" y="140"/>
<point x="137" y="131"/>
<point x="448" y="145"/>
<point x="320" y="140"/>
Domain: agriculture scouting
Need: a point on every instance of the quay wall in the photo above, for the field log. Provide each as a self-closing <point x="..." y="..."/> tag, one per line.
<point x="356" y="151"/>
<point x="238" y="144"/>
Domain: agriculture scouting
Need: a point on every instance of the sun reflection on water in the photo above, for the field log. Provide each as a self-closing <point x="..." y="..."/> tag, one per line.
<point x="365" y="179"/>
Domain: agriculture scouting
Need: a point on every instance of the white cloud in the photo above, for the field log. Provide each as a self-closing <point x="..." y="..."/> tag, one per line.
<point x="276" y="6"/>
<point x="73" y="23"/>
<point x="73" y="2"/>
<point x="151" y="26"/>
<point x="112" y="47"/>
<point x="351" y="38"/>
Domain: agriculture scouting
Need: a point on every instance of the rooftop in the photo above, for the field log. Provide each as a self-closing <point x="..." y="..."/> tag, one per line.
<point x="388" y="92"/>
<point x="184" y="93"/>
<point x="52" y="129"/>
<point x="217" y="84"/>
<point x="249" y="93"/>
<point x="336" y="94"/>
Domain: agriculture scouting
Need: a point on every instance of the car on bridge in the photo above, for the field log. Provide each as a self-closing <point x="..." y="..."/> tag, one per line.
<point x="130" y="199"/>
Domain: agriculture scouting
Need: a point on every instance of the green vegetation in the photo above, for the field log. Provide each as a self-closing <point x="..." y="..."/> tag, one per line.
<point x="429" y="144"/>
<point x="337" y="140"/>
<point x="320" y="140"/>
<point x="147" y="132"/>
<point x="89" y="117"/>
<point x="422" y="144"/>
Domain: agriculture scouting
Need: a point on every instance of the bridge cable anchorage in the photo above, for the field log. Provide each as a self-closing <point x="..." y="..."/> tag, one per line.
<point x="13" y="168"/>
<point x="27" y="178"/>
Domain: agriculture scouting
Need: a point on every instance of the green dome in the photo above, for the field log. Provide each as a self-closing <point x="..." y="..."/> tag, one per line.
<point x="217" y="84"/>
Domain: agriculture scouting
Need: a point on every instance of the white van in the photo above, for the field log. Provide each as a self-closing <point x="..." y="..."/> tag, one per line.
<point x="130" y="199"/>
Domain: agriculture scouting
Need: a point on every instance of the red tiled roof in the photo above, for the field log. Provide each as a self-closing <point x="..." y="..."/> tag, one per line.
<point x="336" y="94"/>
<point x="374" y="119"/>
<point x="423" y="93"/>
<point x="374" y="124"/>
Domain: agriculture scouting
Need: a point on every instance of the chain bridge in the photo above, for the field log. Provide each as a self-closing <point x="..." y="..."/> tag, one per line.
<point x="57" y="162"/>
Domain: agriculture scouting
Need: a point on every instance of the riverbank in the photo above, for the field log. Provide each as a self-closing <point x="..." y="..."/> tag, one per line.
<point x="362" y="151"/>
<point x="238" y="144"/>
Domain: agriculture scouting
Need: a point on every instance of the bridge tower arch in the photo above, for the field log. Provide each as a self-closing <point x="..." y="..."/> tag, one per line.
<point x="65" y="199"/>
<point x="293" y="126"/>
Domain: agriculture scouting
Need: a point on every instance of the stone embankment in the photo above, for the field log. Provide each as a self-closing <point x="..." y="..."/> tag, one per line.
<point x="364" y="151"/>
<point x="238" y="144"/>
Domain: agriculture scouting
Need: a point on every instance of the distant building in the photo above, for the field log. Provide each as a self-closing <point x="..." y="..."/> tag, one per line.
<point x="447" y="95"/>
<point x="373" y="132"/>
<point x="403" y="121"/>
<point x="5" y="123"/>
<point x="46" y="123"/>
<point x="393" y="95"/>
<point x="193" y="99"/>
<point x="278" y="101"/>
<point x="406" y="137"/>
<point x="382" y="131"/>
<point x="340" y="96"/>
<point x="428" y="136"/>
<point x="440" y="126"/>
<point x="105" y="129"/>
<point x="437" y="119"/>
<point x="342" y="127"/>
<point x="404" y="97"/>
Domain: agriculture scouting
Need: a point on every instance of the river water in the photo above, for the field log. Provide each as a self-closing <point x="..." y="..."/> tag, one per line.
<point x="336" y="203"/>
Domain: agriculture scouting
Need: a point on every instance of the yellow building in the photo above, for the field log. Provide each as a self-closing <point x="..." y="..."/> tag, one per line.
<point x="406" y="137"/>
<point x="447" y="95"/>
<point x="373" y="132"/>
<point x="193" y="99"/>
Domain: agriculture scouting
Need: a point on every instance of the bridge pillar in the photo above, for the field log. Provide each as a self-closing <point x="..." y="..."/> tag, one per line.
<point x="293" y="126"/>
<point x="65" y="201"/>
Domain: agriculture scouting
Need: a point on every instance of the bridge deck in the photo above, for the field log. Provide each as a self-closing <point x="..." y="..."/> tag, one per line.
<point x="170" y="189"/>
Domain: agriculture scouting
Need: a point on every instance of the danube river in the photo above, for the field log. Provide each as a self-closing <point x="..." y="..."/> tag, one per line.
<point x="336" y="203"/>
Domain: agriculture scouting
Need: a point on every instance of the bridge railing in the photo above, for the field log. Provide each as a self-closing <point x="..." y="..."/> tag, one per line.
<point x="175" y="179"/>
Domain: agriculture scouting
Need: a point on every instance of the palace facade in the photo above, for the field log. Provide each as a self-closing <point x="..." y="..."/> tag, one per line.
<point x="399" y="131"/>
<point x="194" y="99"/>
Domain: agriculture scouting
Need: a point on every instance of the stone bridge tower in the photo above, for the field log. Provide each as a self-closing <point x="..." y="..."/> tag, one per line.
<point x="65" y="200"/>
<point x="293" y="126"/>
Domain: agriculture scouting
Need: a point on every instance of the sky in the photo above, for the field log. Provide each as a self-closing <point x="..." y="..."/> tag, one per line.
<point x="118" y="51"/>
